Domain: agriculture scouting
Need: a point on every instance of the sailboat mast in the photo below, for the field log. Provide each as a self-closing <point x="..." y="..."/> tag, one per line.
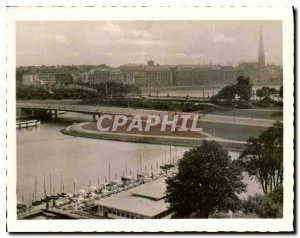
<point x="141" y="163"/>
<point x="109" y="172"/>
<point x="35" y="188"/>
<point x="44" y="186"/>
<point x="50" y="186"/>
<point x="61" y="182"/>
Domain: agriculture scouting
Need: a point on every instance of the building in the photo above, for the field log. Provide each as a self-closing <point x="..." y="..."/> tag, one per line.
<point x="101" y="74"/>
<point x="63" y="78"/>
<point x="133" y="74"/>
<point x="158" y="75"/>
<point x="47" y="75"/>
<point x="261" y="51"/>
<point x="207" y="74"/>
<point x="30" y="79"/>
<point x="229" y="74"/>
<point x="249" y="70"/>
<point x="184" y="75"/>
<point x="142" y="202"/>
<point x="115" y="75"/>
<point x="87" y="77"/>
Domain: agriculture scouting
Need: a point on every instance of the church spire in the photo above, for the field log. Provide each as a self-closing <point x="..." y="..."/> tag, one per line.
<point x="261" y="50"/>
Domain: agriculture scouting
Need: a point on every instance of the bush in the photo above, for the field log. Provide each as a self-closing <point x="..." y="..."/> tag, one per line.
<point x="265" y="206"/>
<point x="244" y="105"/>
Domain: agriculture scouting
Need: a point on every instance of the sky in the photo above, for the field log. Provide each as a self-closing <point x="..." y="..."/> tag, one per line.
<point x="166" y="42"/>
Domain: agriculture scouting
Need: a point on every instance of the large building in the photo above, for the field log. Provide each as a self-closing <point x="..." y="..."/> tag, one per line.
<point x="133" y="74"/>
<point x="47" y="75"/>
<point x="115" y="75"/>
<point x="158" y="76"/>
<point x="229" y="74"/>
<point x="101" y="74"/>
<point x="30" y="79"/>
<point x="208" y="74"/>
<point x="184" y="75"/>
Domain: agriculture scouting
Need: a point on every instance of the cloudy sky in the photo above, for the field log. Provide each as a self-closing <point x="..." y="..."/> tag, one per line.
<point x="167" y="42"/>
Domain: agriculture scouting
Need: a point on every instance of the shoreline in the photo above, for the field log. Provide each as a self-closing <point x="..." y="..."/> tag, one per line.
<point x="77" y="130"/>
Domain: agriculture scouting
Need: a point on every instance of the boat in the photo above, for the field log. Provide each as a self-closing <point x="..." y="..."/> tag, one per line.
<point x="52" y="197"/>
<point x="127" y="178"/>
<point x="36" y="203"/>
<point x="61" y="195"/>
<point x="25" y="124"/>
<point x="167" y="166"/>
<point x="143" y="175"/>
<point x="45" y="200"/>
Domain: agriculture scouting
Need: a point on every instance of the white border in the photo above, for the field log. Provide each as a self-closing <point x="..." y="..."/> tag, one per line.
<point x="153" y="13"/>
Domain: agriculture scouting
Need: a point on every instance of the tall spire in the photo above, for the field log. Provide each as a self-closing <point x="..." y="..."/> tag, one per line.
<point x="261" y="51"/>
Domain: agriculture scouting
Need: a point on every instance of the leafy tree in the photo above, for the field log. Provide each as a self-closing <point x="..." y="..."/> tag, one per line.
<point x="263" y="158"/>
<point x="228" y="92"/>
<point x="207" y="181"/>
<point x="244" y="88"/>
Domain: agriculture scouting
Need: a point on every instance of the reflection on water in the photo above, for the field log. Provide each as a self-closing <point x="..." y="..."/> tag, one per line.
<point x="44" y="151"/>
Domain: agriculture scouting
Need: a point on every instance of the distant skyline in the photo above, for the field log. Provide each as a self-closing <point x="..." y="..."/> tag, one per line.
<point x="166" y="42"/>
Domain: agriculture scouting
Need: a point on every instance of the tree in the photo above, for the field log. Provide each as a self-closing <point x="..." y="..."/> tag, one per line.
<point x="259" y="93"/>
<point x="244" y="88"/>
<point x="281" y="92"/>
<point x="228" y="92"/>
<point x="263" y="158"/>
<point x="265" y="205"/>
<point x="207" y="181"/>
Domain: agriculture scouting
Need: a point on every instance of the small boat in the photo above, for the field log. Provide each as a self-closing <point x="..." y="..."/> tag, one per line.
<point x="36" y="203"/>
<point x="61" y="195"/>
<point x="45" y="200"/>
<point x="143" y="175"/>
<point x="25" y="124"/>
<point x="127" y="178"/>
<point x="167" y="166"/>
<point x="52" y="197"/>
<point x="50" y="215"/>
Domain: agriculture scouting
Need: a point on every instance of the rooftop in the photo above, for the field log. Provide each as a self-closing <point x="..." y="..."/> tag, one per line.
<point x="144" y="200"/>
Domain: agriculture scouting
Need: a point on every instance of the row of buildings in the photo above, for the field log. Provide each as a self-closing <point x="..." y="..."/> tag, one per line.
<point x="153" y="75"/>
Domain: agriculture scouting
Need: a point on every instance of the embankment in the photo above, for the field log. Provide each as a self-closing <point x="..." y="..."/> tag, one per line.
<point x="79" y="130"/>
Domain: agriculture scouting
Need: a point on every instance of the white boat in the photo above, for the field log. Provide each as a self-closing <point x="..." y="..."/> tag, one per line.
<point x="25" y="124"/>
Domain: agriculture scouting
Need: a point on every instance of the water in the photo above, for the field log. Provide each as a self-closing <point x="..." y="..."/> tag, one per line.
<point x="207" y="92"/>
<point x="45" y="151"/>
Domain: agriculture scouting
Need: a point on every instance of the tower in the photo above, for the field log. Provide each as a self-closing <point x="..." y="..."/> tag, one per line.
<point x="261" y="51"/>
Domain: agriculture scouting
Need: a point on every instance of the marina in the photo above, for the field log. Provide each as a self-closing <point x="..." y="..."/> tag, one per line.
<point x="100" y="202"/>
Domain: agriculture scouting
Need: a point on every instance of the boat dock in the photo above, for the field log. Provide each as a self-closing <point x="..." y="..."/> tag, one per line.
<point x="25" y="124"/>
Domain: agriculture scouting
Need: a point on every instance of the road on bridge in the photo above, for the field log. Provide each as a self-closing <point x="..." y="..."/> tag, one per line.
<point x="97" y="110"/>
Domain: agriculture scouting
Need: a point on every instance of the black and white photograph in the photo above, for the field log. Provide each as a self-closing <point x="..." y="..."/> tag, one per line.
<point x="180" y="119"/>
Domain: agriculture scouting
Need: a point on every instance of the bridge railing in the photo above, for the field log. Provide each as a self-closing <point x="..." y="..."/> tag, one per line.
<point x="97" y="109"/>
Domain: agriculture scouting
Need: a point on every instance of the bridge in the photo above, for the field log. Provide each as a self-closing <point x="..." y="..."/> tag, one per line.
<point x="93" y="110"/>
<point x="48" y="109"/>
